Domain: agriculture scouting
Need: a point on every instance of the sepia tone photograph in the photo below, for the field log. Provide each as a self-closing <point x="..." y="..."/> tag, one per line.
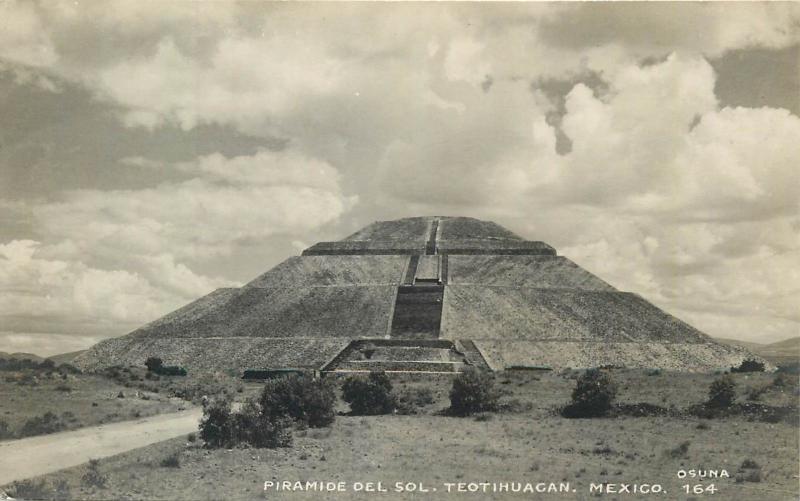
<point x="399" y="250"/>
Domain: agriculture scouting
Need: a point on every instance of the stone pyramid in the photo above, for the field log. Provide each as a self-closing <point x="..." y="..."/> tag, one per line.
<point x="422" y="294"/>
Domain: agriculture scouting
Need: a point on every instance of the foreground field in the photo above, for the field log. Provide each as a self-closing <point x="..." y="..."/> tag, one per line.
<point x="527" y="443"/>
<point x="74" y="400"/>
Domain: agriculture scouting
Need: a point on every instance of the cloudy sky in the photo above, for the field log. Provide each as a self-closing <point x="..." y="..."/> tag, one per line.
<point x="151" y="152"/>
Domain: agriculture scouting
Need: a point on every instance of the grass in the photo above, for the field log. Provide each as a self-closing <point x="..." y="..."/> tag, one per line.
<point x="80" y="400"/>
<point x="531" y="444"/>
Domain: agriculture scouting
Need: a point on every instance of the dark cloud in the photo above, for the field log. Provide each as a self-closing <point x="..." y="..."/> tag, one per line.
<point x="759" y="77"/>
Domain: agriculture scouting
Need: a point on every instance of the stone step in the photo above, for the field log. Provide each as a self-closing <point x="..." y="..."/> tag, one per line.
<point x="417" y="312"/>
<point x="472" y="355"/>
<point x="398" y="366"/>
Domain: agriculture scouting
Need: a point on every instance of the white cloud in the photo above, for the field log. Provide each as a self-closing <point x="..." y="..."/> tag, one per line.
<point x="247" y="198"/>
<point x="74" y="294"/>
<point x="23" y="37"/>
<point x="145" y="239"/>
<point x="243" y="81"/>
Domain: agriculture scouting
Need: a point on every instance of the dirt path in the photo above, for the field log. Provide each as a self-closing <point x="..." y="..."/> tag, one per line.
<point x="29" y="457"/>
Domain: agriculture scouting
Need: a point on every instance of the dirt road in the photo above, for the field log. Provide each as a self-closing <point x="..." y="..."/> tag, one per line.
<point x="34" y="456"/>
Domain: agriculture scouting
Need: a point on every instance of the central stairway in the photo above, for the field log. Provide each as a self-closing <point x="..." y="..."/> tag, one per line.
<point x="404" y="355"/>
<point x="417" y="312"/>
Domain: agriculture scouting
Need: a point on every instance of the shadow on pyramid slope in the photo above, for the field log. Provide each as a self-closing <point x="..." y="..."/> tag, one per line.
<point x="423" y="294"/>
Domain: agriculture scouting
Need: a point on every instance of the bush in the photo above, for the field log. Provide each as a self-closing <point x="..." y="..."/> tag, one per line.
<point x="222" y="428"/>
<point x="153" y="364"/>
<point x="259" y="429"/>
<point x="93" y="476"/>
<point x="593" y="395"/>
<point x="67" y="368"/>
<point x="680" y="451"/>
<point x="783" y="380"/>
<point x="299" y="398"/>
<point x="63" y="387"/>
<point x="41" y="425"/>
<point x="62" y="490"/>
<point x="749" y="365"/>
<point x="722" y="392"/>
<point x="216" y="425"/>
<point x="472" y="392"/>
<point x="171" y="370"/>
<point x="5" y="431"/>
<point x="755" y="394"/>
<point x="369" y="396"/>
<point x="410" y="400"/>
<point x="749" y="471"/>
<point x="171" y="461"/>
<point x="30" y="489"/>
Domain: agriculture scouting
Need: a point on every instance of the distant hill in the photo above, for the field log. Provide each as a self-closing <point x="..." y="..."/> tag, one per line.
<point x="749" y="345"/>
<point x="58" y="359"/>
<point x="20" y="356"/>
<point x="65" y="358"/>
<point x="787" y="347"/>
<point x="779" y="353"/>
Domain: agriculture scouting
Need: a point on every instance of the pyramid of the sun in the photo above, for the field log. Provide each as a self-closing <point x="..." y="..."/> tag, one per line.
<point x="420" y="294"/>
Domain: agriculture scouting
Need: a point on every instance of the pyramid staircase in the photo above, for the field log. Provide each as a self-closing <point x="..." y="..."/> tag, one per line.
<point x="404" y="355"/>
<point x="472" y="354"/>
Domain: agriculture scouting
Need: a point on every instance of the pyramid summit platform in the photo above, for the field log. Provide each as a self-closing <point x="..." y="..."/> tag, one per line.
<point x="422" y="294"/>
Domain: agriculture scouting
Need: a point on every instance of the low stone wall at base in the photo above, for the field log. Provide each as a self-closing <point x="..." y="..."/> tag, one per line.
<point x="695" y="357"/>
<point x="213" y="354"/>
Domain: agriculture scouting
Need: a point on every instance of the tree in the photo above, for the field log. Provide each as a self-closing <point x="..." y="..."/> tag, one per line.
<point x="593" y="395"/>
<point x="301" y="398"/>
<point x="371" y="395"/>
<point x="722" y="392"/>
<point x="473" y="391"/>
<point x="154" y="364"/>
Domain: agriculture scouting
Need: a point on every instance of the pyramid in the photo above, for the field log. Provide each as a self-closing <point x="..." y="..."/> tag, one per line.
<point x="421" y="294"/>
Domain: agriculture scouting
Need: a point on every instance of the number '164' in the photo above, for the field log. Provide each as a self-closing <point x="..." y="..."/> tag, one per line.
<point x="700" y="489"/>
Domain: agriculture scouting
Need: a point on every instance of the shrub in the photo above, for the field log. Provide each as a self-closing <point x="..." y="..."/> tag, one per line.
<point x="680" y="451"/>
<point x="191" y="437"/>
<point x="156" y="366"/>
<point x="30" y="489"/>
<point x="409" y="400"/>
<point x="171" y="370"/>
<point x="216" y="425"/>
<point x="93" y="476"/>
<point x="754" y="394"/>
<point x="749" y="365"/>
<point x="722" y="392"/>
<point x="259" y="429"/>
<point x="5" y="431"/>
<point x="593" y="395"/>
<point x="153" y="364"/>
<point x="41" y="425"/>
<point x="67" y="368"/>
<point x="62" y="490"/>
<point x="64" y="387"/>
<point x="171" y="461"/>
<point x="222" y="428"/>
<point x="749" y="471"/>
<point x="472" y="392"/>
<point x="782" y="380"/>
<point x="369" y="396"/>
<point x="300" y="398"/>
